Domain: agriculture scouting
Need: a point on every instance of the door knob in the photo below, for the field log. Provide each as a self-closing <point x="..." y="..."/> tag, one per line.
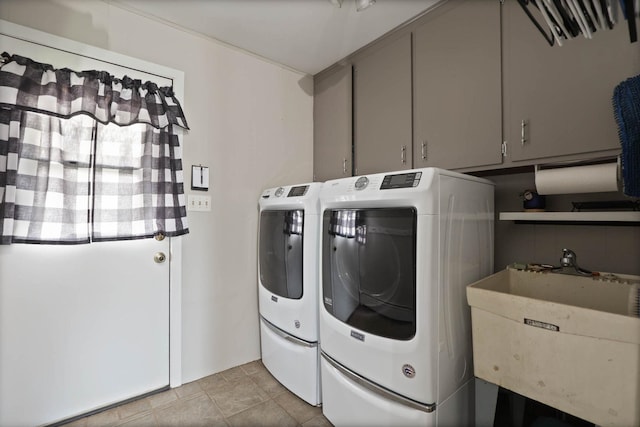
<point x="159" y="257"/>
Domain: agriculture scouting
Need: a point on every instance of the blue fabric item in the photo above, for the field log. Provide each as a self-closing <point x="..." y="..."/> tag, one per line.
<point x="626" y="109"/>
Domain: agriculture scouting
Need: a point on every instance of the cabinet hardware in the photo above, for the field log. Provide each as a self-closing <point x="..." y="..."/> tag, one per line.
<point x="344" y="166"/>
<point x="424" y="150"/>
<point x="523" y="132"/>
<point x="503" y="148"/>
<point x="403" y="154"/>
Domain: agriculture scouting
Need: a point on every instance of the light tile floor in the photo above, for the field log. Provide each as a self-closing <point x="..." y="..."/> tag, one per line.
<point x="246" y="395"/>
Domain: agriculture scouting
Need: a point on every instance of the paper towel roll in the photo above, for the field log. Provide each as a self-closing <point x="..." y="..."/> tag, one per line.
<point x="578" y="179"/>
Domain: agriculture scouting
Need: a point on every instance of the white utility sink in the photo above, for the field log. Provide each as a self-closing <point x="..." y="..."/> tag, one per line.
<point x="567" y="341"/>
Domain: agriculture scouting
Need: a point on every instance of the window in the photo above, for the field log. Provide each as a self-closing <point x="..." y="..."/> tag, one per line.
<point x="85" y="156"/>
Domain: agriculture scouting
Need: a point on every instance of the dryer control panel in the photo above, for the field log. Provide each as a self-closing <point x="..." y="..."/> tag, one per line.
<point x="402" y="180"/>
<point x="295" y="191"/>
<point x="298" y="191"/>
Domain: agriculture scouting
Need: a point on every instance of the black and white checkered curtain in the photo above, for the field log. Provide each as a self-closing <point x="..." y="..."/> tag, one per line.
<point x="87" y="157"/>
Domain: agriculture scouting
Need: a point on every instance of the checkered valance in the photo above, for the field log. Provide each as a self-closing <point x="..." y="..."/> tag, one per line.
<point x="85" y="156"/>
<point x="33" y="86"/>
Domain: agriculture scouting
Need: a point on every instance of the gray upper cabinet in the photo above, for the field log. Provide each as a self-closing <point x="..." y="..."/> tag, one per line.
<point x="448" y="88"/>
<point x="332" y="130"/>
<point x="457" y="86"/>
<point x="557" y="101"/>
<point x="382" y="107"/>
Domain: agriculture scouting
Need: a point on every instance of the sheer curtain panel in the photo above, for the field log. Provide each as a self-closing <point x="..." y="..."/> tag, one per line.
<point x="85" y="156"/>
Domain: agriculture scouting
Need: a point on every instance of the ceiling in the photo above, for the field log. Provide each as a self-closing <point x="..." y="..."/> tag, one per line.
<point x="305" y="35"/>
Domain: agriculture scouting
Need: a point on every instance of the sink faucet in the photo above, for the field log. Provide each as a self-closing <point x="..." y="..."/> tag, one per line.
<point x="569" y="264"/>
<point x="569" y="258"/>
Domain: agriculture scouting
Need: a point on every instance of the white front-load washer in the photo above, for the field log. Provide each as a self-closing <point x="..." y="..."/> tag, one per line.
<point x="288" y="287"/>
<point x="397" y="251"/>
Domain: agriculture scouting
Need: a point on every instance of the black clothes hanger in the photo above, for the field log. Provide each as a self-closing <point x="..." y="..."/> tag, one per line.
<point x="548" y="37"/>
<point x="587" y="16"/>
<point x="570" y="18"/>
<point x="569" y="21"/>
<point x="630" y="15"/>
<point x="607" y="18"/>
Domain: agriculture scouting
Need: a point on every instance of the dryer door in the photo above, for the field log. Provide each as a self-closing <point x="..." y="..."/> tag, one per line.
<point x="280" y="252"/>
<point x="369" y="269"/>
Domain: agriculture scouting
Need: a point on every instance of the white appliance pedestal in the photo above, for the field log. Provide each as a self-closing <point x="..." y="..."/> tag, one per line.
<point x="348" y="402"/>
<point x="292" y="361"/>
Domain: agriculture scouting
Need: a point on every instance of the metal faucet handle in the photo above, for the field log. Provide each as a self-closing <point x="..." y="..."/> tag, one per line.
<point x="569" y="258"/>
<point x="569" y="264"/>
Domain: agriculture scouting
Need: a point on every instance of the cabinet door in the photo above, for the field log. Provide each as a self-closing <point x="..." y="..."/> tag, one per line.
<point x="332" y="129"/>
<point x="457" y="86"/>
<point x="562" y="94"/>
<point x="382" y="108"/>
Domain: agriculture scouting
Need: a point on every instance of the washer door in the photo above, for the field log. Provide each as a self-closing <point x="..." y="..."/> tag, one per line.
<point x="369" y="269"/>
<point x="280" y="252"/>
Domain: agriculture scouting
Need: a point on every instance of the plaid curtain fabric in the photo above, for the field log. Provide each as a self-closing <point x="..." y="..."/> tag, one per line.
<point x="87" y="157"/>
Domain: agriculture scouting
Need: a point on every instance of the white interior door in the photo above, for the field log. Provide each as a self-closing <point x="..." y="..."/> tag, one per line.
<point x="82" y="326"/>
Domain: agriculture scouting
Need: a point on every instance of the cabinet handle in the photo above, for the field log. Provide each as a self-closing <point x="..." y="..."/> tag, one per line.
<point x="523" y="132"/>
<point x="344" y="166"/>
<point x="424" y="150"/>
<point x="403" y="154"/>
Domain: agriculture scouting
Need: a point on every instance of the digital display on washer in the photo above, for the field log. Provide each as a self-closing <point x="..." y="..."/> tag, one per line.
<point x="402" y="180"/>
<point x="298" y="191"/>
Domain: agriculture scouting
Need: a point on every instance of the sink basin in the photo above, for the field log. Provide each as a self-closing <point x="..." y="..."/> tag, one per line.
<point x="567" y="341"/>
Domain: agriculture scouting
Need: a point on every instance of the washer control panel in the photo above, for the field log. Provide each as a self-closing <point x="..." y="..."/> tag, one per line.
<point x="362" y="183"/>
<point x="402" y="180"/>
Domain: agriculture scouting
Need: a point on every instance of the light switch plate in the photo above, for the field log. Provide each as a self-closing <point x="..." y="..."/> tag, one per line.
<point x="198" y="203"/>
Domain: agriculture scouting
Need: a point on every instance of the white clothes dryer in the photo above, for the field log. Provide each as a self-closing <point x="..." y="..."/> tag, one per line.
<point x="397" y="251"/>
<point x="288" y="287"/>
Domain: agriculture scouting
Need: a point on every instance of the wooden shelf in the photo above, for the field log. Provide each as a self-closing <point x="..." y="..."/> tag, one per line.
<point x="625" y="218"/>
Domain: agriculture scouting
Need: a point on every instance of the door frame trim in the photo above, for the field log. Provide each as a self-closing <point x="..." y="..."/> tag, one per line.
<point x="175" y="312"/>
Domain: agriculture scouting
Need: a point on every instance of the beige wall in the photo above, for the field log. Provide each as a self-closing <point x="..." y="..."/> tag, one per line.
<point x="251" y="123"/>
